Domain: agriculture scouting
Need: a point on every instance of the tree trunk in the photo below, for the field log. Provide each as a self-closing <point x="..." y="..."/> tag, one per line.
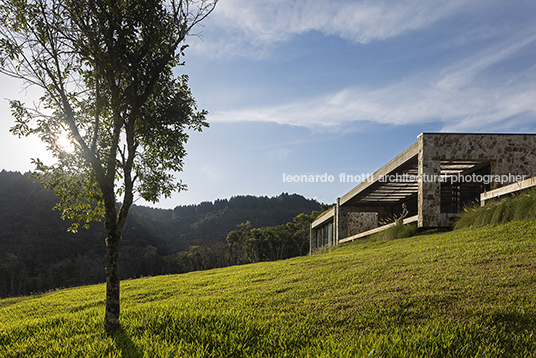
<point x="111" y="319"/>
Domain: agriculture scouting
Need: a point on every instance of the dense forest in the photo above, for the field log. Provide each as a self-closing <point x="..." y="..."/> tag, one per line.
<point x="37" y="253"/>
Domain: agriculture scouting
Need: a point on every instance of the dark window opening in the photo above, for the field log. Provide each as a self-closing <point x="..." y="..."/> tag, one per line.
<point x="459" y="193"/>
<point x="324" y="236"/>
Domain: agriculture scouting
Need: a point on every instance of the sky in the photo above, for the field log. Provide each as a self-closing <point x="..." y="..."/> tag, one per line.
<point x="331" y="87"/>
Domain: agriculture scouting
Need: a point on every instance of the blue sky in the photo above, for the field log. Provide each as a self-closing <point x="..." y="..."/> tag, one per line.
<point x="312" y="87"/>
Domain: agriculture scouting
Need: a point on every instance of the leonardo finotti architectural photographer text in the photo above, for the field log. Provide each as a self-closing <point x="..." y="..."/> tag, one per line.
<point x="403" y="178"/>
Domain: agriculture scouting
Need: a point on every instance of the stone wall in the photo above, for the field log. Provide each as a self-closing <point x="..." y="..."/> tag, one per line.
<point x="360" y="222"/>
<point x="513" y="154"/>
<point x="351" y="220"/>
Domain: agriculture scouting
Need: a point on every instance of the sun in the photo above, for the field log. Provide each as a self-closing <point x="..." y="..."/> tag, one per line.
<point x="65" y="142"/>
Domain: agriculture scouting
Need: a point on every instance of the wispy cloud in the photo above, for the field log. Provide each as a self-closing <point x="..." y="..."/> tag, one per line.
<point x="249" y="28"/>
<point x="463" y="96"/>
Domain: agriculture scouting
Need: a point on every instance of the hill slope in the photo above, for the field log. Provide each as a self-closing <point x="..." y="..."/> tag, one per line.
<point x="470" y="292"/>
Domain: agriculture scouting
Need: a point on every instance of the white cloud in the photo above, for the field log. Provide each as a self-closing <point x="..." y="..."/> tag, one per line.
<point x="249" y="28"/>
<point x="463" y="96"/>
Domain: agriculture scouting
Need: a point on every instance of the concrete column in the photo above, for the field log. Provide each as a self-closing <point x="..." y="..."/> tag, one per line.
<point x="339" y="225"/>
<point x="310" y="239"/>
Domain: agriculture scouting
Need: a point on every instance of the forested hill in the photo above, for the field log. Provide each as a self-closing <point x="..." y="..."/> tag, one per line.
<point x="210" y="222"/>
<point x="35" y="244"/>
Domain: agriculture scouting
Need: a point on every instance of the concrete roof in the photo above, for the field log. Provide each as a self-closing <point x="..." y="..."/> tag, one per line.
<point x="327" y="216"/>
<point x="384" y="187"/>
<point x="374" y="192"/>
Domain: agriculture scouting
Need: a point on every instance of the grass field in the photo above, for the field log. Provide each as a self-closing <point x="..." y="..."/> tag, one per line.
<point x="466" y="293"/>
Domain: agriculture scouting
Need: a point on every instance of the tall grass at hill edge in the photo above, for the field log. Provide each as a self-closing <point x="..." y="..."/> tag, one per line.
<point x="397" y="231"/>
<point x="514" y="207"/>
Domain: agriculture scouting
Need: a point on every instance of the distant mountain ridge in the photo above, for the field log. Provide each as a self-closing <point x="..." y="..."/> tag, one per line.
<point x="34" y="239"/>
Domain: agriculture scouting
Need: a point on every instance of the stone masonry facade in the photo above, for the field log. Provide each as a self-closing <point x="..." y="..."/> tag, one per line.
<point x="506" y="154"/>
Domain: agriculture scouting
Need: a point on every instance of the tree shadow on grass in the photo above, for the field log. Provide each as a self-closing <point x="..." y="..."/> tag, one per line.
<point x="123" y="343"/>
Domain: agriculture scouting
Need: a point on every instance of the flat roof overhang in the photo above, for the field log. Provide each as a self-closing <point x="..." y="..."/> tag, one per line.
<point x="324" y="218"/>
<point x="398" y="180"/>
<point x="374" y="191"/>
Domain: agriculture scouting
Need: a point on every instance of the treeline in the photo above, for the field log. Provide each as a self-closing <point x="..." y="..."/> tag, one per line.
<point x="249" y="245"/>
<point x="244" y="245"/>
<point x="38" y="254"/>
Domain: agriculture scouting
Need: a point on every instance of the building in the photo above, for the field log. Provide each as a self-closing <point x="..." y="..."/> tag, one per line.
<point x="436" y="177"/>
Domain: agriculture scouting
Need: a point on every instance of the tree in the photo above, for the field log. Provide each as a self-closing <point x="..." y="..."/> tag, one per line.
<point x="15" y="271"/>
<point x="301" y="226"/>
<point x="236" y="240"/>
<point x="106" y="71"/>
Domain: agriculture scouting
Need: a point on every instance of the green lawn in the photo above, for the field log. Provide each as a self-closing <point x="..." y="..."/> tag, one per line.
<point x="466" y="293"/>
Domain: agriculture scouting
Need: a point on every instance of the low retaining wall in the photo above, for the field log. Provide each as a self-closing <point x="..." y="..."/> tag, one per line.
<point x="378" y="229"/>
<point x="527" y="183"/>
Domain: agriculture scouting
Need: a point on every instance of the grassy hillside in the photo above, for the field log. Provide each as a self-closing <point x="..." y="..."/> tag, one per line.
<point x="466" y="293"/>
